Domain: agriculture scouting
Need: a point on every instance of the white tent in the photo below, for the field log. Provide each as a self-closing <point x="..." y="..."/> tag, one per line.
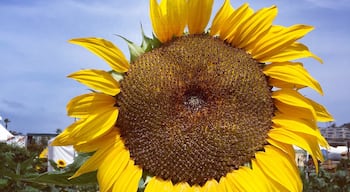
<point x="19" y="140"/>
<point x="337" y="153"/>
<point x="4" y="134"/>
<point x="55" y="153"/>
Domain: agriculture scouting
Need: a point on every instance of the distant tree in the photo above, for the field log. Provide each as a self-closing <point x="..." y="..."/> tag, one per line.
<point x="6" y="121"/>
<point x="58" y="131"/>
<point x="16" y="133"/>
<point x="347" y="125"/>
<point x="333" y="125"/>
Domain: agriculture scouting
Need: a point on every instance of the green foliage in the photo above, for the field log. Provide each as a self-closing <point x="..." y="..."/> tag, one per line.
<point x="327" y="181"/>
<point x="60" y="177"/>
<point x="16" y="162"/>
<point x="22" y="170"/>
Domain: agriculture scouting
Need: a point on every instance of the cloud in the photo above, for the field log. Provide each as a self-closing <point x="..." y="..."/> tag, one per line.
<point x="331" y="4"/>
<point x="12" y="105"/>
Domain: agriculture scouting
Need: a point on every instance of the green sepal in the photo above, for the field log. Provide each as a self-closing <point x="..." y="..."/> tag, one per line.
<point x="146" y="177"/>
<point x="156" y="42"/>
<point x="148" y="43"/>
<point x="135" y="50"/>
<point x="117" y="76"/>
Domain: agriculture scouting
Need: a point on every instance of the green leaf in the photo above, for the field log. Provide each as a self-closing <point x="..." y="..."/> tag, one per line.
<point x="79" y="161"/>
<point x="3" y="183"/>
<point x="53" y="164"/>
<point x="30" y="189"/>
<point x="60" y="177"/>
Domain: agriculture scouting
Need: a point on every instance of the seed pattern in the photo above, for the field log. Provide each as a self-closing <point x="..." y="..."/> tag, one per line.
<point x="194" y="109"/>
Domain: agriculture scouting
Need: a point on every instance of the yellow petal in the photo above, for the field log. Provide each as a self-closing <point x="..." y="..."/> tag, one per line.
<point x="105" y="50"/>
<point x="321" y="140"/>
<point x="278" y="166"/>
<point x="293" y="73"/>
<point x="291" y="102"/>
<point x="66" y="138"/>
<point x="98" y="80"/>
<point x="273" y="43"/>
<point x="95" y="125"/>
<point x="304" y="141"/>
<point x="168" y="18"/>
<point x="294" y="124"/>
<point x="113" y="166"/>
<point x="287" y="148"/>
<point x="158" y="22"/>
<point x="239" y="180"/>
<point x="195" y="188"/>
<point x="228" y="31"/>
<point x="322" y="114"/>
<point x="199" y="13"/>
<point x="210" y="186"/>
<point x="225" y="185"/>
<point x="176" y="16"/>
<point x="129" y="180"/>
<point x="113" y="136"/>
<point x="292" y="52"/>
<point x="181" y="187"/>
<point x="84" y="105"/>
<point x="221" y="18"/>
<point x="157" y="184"/>
<point x="95" y="161"/>
<point x="284" y="85"/>
<point x="298" y="125"/>
<point x="269" y="184"/>
<point x="245" y="179"/>
<point x="252" y="28"/>
<point x="84" y="130"/>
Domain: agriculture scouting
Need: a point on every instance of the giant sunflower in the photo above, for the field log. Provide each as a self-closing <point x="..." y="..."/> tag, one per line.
<point x="196" y="109"/>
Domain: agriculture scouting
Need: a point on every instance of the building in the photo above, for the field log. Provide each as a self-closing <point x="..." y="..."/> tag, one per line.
<point x="38" y="141"/>
<point x="337" y="136"/>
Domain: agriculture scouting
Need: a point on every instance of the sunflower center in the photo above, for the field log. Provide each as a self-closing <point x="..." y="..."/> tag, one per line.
<point x="194" y="99"/>
<point x="194" y="109"/>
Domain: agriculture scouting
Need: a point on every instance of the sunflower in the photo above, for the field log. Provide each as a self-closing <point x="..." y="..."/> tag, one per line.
<point x="199" y="109"/>
<point x="61" y="163"/>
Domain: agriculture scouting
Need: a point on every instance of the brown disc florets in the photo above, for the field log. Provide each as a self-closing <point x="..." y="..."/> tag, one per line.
<point x="194" y="109"/>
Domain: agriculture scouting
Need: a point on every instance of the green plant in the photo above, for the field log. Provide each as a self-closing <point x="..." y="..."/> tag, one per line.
<point x="23" y="171"/>
<point x="17" y="163"/>
<point x="325" y="181"/>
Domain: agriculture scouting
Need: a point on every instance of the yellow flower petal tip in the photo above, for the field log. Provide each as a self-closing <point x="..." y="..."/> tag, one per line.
<point x="105" y="50"/>
<point x="98" y="80"/>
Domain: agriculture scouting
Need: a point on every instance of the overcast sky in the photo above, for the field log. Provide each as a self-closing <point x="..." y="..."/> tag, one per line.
<point x="35" y="57"/>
